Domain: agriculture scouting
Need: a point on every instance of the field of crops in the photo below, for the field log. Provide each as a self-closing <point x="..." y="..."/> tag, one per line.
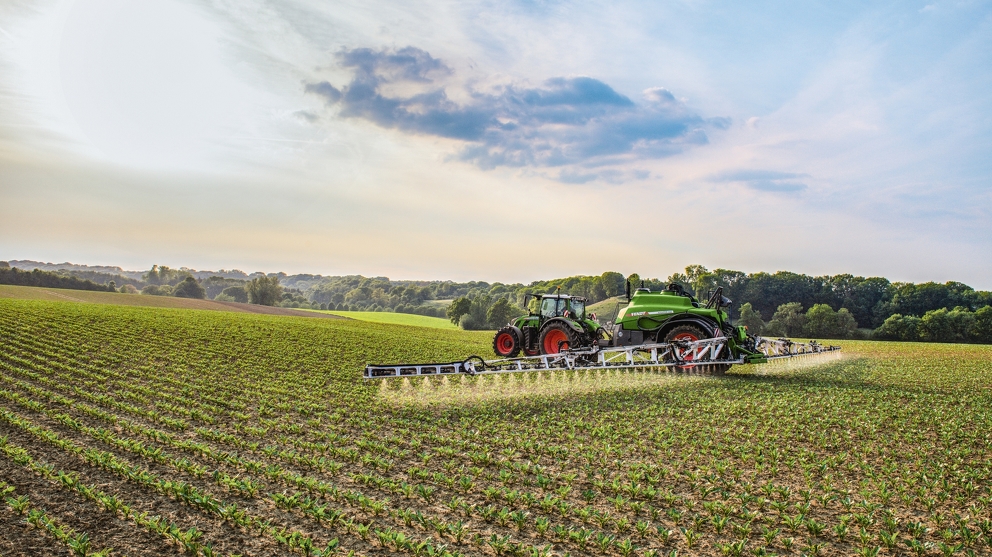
<point x="116" y="298"/>
<point x="167" y="432"/>
<point x="397" y="318"/>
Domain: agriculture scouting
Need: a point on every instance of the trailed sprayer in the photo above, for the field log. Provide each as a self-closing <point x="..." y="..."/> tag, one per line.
<point x="664" y="330"/>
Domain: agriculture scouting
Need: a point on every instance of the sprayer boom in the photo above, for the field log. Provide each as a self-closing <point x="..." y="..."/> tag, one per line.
<point x="707" y="356"/>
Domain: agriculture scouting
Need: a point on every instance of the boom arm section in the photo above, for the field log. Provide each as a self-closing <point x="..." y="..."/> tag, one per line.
<point x="702" y="356"/>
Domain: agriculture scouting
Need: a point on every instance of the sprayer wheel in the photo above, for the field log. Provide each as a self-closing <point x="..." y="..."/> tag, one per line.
<point x="557" y="336"/>
<point x="689" y="333"/>
<point x="506" y="344"/>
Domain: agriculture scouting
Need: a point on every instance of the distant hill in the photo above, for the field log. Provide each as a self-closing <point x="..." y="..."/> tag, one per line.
<point x="28" y="265"/>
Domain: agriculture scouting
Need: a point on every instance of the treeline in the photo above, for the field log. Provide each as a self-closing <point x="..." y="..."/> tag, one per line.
<point x="940" y="325"/>
<point x="821" y="321"/>
<point x="48" y="279"/>
<point x="870" y="300"/>
<point x="781" y="303"/>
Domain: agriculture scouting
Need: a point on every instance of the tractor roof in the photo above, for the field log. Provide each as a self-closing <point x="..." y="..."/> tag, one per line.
<point x="563" y="297"/>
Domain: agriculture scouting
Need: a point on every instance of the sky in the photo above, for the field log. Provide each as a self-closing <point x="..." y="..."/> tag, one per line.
<point x="499" y="141"/>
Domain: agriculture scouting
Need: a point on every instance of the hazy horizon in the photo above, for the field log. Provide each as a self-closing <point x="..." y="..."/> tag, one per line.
<point x="126" y="269"/>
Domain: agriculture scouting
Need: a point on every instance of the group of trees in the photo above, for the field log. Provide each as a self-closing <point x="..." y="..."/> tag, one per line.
<point x="48" y="279"/>
<point x="188" y="287"/>
<point x="958" y="324"/>
<point x="940" y="325"/>
<point x="789" y="320"/>
<point x="869" y="300"/>
<point x="482" y="312"/>
<point x="830" y="306"/>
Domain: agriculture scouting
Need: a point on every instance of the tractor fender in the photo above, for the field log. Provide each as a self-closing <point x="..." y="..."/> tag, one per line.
<point x="571" y="324"/>
<point x="708" y="325"/>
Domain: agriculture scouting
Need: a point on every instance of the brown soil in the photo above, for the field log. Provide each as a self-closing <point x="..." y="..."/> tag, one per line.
<point x="107" y="530"/>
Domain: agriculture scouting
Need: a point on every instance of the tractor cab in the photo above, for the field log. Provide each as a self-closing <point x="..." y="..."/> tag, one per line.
<point x="563" y="306"/>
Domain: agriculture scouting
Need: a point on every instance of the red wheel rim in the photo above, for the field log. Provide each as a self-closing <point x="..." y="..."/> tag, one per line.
<point x="504" y="343"/>
<point x="552" y="339"/>
<point x="688" y="337"/>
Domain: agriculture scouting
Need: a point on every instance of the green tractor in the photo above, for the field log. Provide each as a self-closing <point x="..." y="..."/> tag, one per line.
<point x="669" y="330"/>
<point x="558" y="322"/>
<point x="671" y="315"/>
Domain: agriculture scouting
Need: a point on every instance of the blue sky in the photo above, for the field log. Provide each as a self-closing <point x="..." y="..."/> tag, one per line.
<point x="499" y="141"/>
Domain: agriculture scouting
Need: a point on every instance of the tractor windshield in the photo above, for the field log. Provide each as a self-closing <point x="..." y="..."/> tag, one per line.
<point x="552" y="307"/>
<point x="556" y="307"/>
<point x="578" y="309"/>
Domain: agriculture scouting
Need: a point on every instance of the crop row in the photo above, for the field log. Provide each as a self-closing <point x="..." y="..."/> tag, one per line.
<point x="854" y="457"/>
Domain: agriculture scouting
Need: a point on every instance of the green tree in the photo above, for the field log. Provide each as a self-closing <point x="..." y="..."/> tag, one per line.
<point x="189" y="288"/>
<point x="235" y="293"/>
<point x="501" y="312"/>
<point x="788" y="321"/>
<point x="899" y="327"/>
<point x="943" y="325"/>
<point x="981" y="331"/>
<point x="823" y="322"/>
<point x="458" y="308"/>
<point x="751" y="319"/>
<point x="635" y="282"/>
<point x="151" y="277"/>
<point x="700" y="279"/>
<point x="265" y="291"/>
<point x="157" y="290"/>
<point x="847" y="325"/>
<point x="612" y="283"/>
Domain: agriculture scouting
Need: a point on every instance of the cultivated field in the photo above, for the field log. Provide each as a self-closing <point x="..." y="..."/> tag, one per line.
<point x="396" y="318"/>
<point x="115" y="298"/>
<point x="170" y="431"/>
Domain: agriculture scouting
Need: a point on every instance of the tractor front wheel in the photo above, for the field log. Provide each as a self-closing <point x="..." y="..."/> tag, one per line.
<point x="557" y="337"/>
<point x="505" y="343"/>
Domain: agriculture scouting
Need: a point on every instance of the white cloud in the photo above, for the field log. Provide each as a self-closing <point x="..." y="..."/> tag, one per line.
<point x="866" y="132"/>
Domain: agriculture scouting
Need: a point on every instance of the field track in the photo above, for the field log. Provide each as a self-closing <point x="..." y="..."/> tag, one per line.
<point x="164" y="431"/>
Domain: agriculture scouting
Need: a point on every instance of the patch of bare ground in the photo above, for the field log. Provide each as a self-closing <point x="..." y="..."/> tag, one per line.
<point x="72" y="510"/>
<point x="225" y="537"/>
<point x="261" y="507"/>
<point x="17" y="537"/>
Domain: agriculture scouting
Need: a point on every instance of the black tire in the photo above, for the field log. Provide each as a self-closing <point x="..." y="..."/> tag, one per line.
<point x="506" y="344"/>
<point x="530" y="341"/>
<point x="691" y="333"/>
<point x="557" y="336"/>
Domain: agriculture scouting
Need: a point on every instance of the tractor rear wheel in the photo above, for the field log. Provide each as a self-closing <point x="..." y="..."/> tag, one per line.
<point x="506" y="344"/>
<point x="557" y="336"/>
<point x="692" y="333"/>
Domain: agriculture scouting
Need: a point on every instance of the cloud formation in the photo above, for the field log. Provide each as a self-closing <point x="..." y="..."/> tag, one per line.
<point x="764" y="180"/>
<point x="565" y="121"/>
